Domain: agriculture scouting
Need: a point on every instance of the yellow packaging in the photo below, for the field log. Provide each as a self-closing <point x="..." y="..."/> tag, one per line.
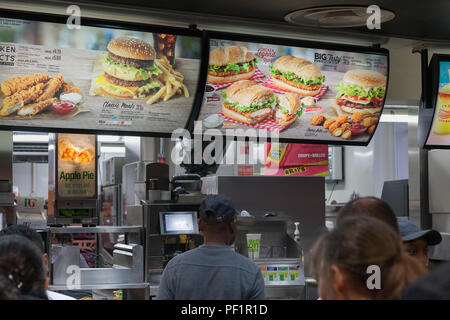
<point x="442" y="113"/>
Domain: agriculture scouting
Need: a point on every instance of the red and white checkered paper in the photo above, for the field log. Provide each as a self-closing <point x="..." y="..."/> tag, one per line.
<point x="268" y="124"/>
<point x="269" y="84"/>
<point x="257" y="76"/>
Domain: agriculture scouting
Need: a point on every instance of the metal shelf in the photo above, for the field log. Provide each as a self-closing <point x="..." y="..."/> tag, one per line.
<point x="97" y="229"/>
<point x="102" y="286"/>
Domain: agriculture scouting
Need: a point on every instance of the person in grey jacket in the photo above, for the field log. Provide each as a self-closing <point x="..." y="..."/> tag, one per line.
<point x="213" y="271"/>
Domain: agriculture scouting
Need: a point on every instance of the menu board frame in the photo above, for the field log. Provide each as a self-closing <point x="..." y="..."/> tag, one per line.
<point x="376" y="50"/>
<point x="433" y="82"/>
<point x="120" y="25"/>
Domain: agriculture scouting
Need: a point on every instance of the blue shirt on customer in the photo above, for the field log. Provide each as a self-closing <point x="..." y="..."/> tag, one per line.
<point x="211" y="273"/>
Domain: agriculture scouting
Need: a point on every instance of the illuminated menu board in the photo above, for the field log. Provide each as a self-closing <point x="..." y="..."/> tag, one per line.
<point x="91" y="79"/>
<point x="304" y="92"/>
<point x="439" y="134"/>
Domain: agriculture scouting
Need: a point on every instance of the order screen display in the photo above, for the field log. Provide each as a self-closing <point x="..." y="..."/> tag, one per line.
<point x="95" y="78"/>
<point x="179" y="222"/>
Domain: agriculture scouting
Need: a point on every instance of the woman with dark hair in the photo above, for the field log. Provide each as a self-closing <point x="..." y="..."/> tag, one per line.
<point x="22" y="270"/>
<point x="357" y="254"/>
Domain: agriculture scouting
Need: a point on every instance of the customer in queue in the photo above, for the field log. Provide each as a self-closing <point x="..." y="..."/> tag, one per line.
<point x="369" y="206"/>
<point x="213" y="271"/>
<point x="435" y="285"/>
<point x="341" y="259"/>
<point x="416" y="241"/>
<point x="33" y="236"/>
<point x="22" y="270"/>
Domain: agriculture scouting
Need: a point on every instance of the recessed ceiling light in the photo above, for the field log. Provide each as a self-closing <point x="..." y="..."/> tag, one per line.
<point x="335" y="16"/>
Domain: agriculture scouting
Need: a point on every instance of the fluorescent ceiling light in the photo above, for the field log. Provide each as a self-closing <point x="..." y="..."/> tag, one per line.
<point x="30" y="138"/>
<point x="113" y="149"/>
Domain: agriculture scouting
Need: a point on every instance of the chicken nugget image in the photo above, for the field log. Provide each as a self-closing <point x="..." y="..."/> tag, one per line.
<point x="357" y="117"/>
<point x="328" y="123"/>
<point x="341" y="119"/>
<point x="345" y="125"/>
<point x="368" y="122"/>
<point x="333" y="126"/>
<point x="371" y="129"/>
<point x="317" y="120"/>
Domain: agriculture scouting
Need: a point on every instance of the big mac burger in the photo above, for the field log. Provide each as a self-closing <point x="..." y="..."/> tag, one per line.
<point x="288" y="109"/>
<point x="297" y="75"/>
<point x="361" y="91"/>
<point x="248" y="102"/>
<point x="230" y="64"/>
<point x="128" y="69"/>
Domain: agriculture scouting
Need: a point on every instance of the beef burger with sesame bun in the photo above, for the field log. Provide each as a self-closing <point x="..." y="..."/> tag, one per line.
<point x="362" y="91"/>
<point x="128" y="68"/>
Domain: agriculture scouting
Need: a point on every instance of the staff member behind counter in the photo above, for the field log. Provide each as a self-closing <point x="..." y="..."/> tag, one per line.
<point x="213" y="271"/>
<point x="416" y="241"/>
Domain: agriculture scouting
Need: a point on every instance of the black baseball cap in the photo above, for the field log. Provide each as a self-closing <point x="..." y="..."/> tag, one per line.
<point x="216" y="209"/>
<point x="409" y="231"/>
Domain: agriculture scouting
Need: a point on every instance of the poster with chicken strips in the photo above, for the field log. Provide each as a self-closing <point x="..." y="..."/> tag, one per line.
<point x="96" y="78"/>
<point x="300" y="94"/>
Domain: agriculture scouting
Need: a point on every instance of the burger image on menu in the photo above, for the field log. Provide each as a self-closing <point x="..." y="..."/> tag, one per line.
<point x="297" y="75"/>
<point x="248" y="102"/>
<point x="230" y="64"/>
<point x="361" y="91"/>
<point x="129" y="69"/>
<point x="287" y="109"/>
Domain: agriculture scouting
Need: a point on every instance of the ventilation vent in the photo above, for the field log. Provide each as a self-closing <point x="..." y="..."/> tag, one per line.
<point x="335" y="16"/>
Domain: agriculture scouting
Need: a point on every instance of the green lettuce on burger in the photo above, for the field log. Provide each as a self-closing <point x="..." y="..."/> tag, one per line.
<point x="230" y="64"/>
<point x="361" y="91"/>
<point x="248" y="102"/>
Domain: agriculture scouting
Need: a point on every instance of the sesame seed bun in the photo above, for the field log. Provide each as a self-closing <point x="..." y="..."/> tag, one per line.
<point x="364" y="78"/>
<point x="133" y="48"/>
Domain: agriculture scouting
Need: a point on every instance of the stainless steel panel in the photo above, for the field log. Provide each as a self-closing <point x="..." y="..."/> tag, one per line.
<point x="65" y="256"/>
<point x="97" y="229"/>
<point x="6" y="157"/>
<point x="302" y="199"/>
<point x="112" y="171"/>
<point x="438" y="180"/>
<point x="135" y="216"/>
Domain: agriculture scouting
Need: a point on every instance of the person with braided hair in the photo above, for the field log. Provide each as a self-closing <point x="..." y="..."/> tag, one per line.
<point x="22" y="270"/>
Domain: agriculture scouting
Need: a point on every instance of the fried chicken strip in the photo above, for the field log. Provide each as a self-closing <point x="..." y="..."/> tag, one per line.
<point x="34" y="108"/>
<point x="12" y="103"/>
<point x="67" y="88"/>
<point x="17" y="84"/>
<point x="53" y="85"/>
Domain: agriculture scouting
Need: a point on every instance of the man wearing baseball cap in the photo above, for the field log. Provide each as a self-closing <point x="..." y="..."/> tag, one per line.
<point x="213" y="271"/>
<point x="416" y="241"/>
